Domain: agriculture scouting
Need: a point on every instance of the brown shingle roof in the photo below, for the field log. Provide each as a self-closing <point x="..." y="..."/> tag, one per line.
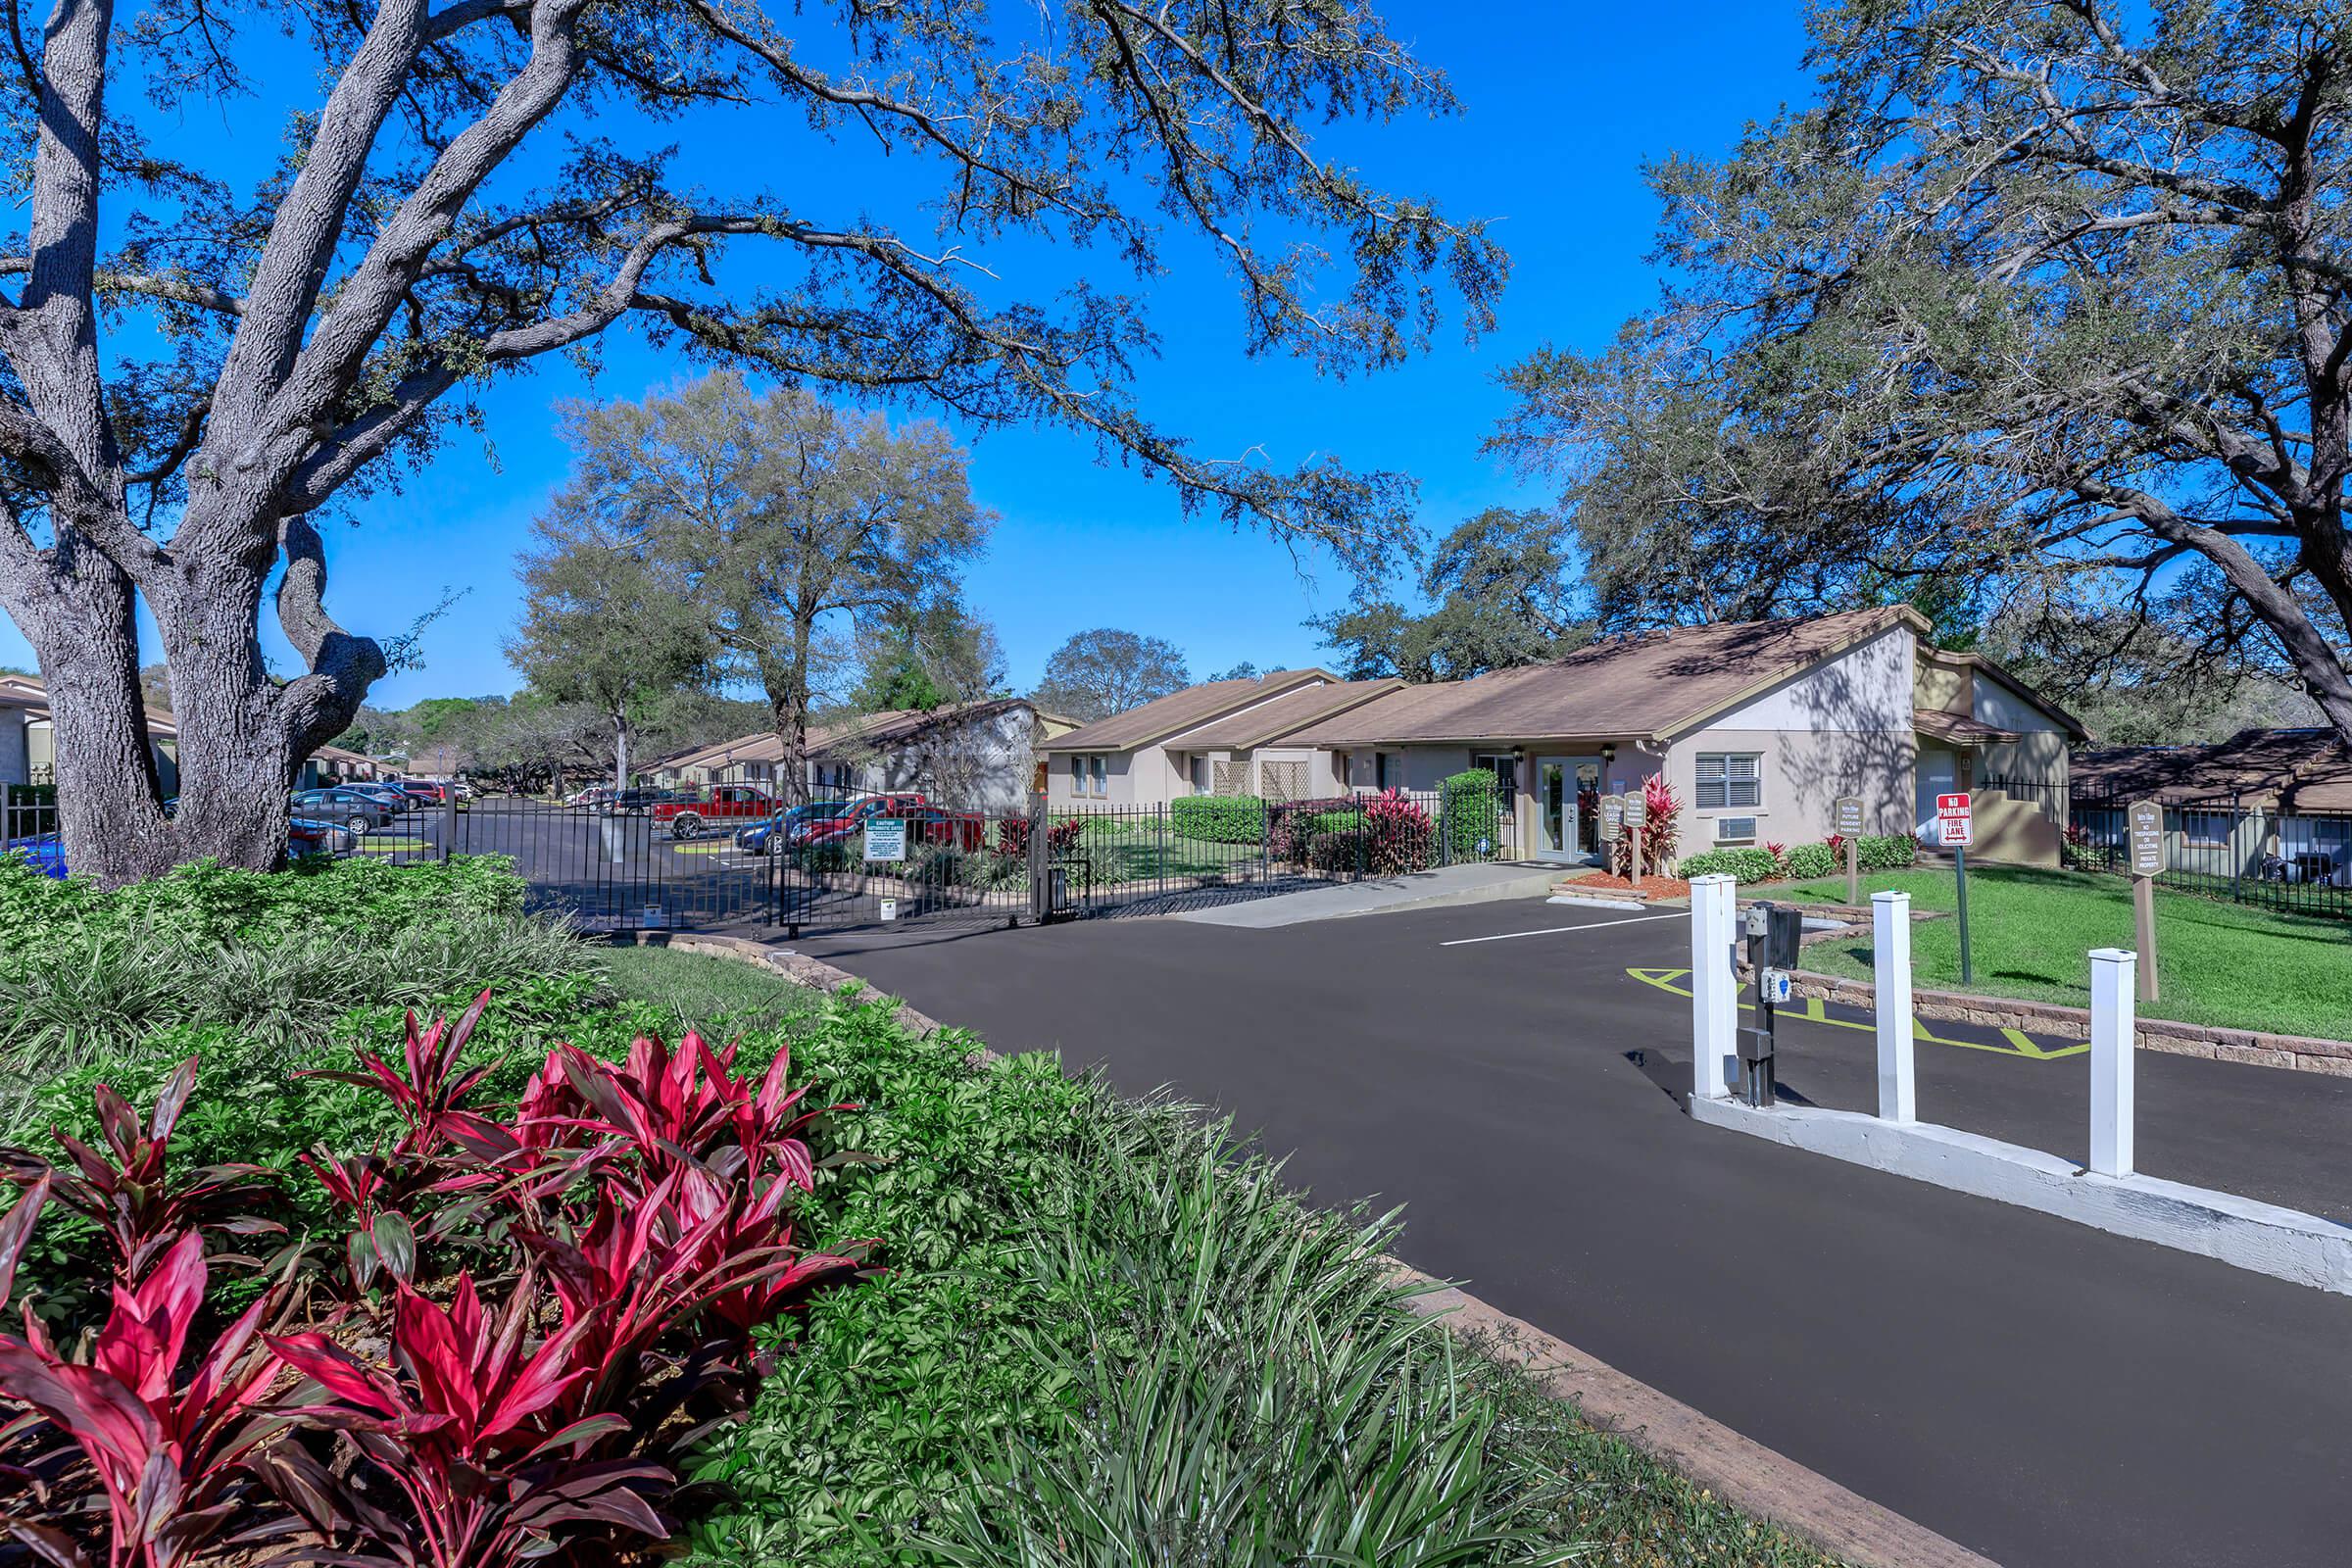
<point x="1956" y="728"/>
<point x="2300" y="769"/>
<point x="1255" y="726"/>
<point x="1179" y="712"/>
<point x="1651" y="683"/>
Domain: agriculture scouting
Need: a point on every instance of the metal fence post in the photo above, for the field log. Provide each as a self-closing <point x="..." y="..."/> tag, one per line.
<point x="449" y="818"/>
<point x="1040" y="895"/>
<point x="2237" y="854"/>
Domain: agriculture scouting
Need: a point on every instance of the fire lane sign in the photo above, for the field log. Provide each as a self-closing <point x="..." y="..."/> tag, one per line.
<point x="1955" y="826"/>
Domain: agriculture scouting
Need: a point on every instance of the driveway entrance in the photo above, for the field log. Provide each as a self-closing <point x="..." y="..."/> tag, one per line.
<point x="2043" y="1393"/>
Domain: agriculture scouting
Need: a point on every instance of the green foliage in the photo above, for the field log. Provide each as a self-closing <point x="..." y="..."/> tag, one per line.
<point x="1811" y="860"/>
<point x="1472" y="806"/>
<point x="357" y="898"/>
<point x="1219" y="818"/>
<point x="1505" y="596"/>
<point x="1106" y="670"/>
<point x="1748" y="864"/>
<point x="1886" y="852"/>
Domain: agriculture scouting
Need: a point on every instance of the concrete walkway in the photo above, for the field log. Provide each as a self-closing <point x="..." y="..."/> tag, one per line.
<point x="1416" y="890"/>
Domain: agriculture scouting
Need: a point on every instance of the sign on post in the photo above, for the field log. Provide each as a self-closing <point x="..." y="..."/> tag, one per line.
<point x="2144" y="829"/>
<point x="886" y="838"/>
<point x="1613" y="817"/>
<point x="1955" y="830"/>
<point x="1636" y="812"/>
<point x="1846" y="813"/>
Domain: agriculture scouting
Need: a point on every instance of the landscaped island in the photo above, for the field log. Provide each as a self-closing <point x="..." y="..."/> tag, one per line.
<point x="555" y="1273"/>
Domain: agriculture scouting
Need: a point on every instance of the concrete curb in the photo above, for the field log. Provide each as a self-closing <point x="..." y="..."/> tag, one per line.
<point x="1575" y="902"/>
<point x="1754" y="1479"/>
<point x="2254" y="1048"/>
<point x="2261" y="1238"/>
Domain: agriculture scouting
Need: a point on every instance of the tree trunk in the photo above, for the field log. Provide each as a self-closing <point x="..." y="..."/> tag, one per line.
<point x="621" y="748"/>
<point x="238" y="763"/>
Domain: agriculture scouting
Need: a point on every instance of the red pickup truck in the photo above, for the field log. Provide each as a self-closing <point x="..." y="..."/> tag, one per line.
<point x="686" y="819"/>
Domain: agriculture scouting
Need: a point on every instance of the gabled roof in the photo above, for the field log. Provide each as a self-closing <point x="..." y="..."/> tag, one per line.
<point x="1655" y="683"/>
<point x="1268" y="720"/>
<point x="1958" y="729"/>
<point x="1985" y="664"/>
<point x="2299" y="769"/>
<point x="1183" y="711"/>
<point x="889" y="728"/>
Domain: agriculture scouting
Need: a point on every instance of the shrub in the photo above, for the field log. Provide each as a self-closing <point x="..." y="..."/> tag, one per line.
<point x="1219" y="818"/>
<point x="1472" y="804"/>
<point x="1886" y="852"/>
<point x="1661" y="830"/>
<point x="1748" y="864"/>
<point x="1808" y="861"/>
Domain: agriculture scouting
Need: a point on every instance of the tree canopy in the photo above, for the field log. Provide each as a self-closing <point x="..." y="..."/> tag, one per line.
<point x="2045" y="306"/>
<point x="198" y="361"/>
<point x="1501" y="593"/>
<point x="1097" y="674"/>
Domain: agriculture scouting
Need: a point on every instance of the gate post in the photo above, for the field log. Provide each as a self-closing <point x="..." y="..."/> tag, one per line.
<point x="2113" y="985"/>
<point x="1714" y="999"/>
<point x="449" y="817"/>
<point x="1040" y="896"/>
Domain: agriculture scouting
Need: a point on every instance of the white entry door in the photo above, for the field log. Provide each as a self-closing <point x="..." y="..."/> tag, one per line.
<point x="1567" y="790"/>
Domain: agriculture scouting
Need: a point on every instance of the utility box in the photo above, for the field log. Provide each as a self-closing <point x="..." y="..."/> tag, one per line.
<point x="1775" y="934"/>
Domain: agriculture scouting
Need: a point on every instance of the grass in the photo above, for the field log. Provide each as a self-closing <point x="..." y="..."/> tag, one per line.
<point x="1131" y="852"/>
<point x="2223" y="964"/>
<point x="693" y="988"/>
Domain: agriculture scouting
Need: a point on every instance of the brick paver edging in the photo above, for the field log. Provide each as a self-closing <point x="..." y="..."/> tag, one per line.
<point x="1752" y="1477"/>
<point x="2298" y="1053"/>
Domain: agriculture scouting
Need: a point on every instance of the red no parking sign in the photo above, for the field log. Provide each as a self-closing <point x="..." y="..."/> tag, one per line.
<point x="1955" y="826"/>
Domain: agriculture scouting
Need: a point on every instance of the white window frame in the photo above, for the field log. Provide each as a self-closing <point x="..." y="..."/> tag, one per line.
<point x="1099" y="768"/>
<point x="1077" y="774"/>
<point x="1728" y="782"/>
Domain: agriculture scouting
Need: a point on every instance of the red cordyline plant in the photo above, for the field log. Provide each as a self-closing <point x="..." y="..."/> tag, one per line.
<point x="465" y="1459"/>
<point x="129" y="1188"/>
<point x="427" y="1086"/>
<point x="1661" y="830"/>
<point x="168" y="1453"/>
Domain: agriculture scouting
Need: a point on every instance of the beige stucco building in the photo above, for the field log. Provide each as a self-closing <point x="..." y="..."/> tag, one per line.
<point x="1758" y="727"/>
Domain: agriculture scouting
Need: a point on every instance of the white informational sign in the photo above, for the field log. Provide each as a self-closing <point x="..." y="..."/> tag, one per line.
<point x="886" y="838"/>
<point x="1776" y="987"/>
<point x="890" y="909"/>
<point x="1955" y="827"/>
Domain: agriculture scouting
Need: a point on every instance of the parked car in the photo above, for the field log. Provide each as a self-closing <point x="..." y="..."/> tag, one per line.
<point x="423" y="791"/>
<point x="45" y="853"/>
<point x="390" y="796"/>
<point x="361" y="814"/>
<point x="593" y="795"/>
<point x="766" y="837"/>
<point x="846" y="823"/>
<point x="636" y="801"/>
<point x="312" y="836"/>
<point x="687" y="818"/>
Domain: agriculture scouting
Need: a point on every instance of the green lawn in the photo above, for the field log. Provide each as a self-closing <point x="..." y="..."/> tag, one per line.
<point x="1133" y="850"/>
<point x="696" y="988"/>
<point x="2220" y="963"/>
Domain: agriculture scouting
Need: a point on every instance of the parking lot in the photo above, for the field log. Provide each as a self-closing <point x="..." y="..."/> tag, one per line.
<point x="1514" y="1073"/>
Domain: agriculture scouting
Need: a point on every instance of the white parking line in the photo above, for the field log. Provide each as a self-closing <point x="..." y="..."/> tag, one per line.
<point x="1555" y="930"/>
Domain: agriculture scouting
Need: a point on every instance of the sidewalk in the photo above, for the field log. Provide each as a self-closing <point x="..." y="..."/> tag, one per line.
<point x="1416" y="890"/>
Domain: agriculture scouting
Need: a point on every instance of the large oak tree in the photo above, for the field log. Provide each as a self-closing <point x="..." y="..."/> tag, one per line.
<point x="2044" y="308"/>
<point x="195" y="369"/>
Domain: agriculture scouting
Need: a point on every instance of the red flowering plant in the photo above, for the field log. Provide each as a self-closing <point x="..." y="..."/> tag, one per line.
<point x="128" y="1189"/>
<point x="1661" y="831"/>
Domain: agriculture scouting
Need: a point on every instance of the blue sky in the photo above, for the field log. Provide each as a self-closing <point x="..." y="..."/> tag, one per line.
<point x="1563" y="101"/>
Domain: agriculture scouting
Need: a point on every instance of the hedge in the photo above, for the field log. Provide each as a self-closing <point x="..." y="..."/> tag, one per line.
<point x="1219" y="818"/>
<point x="1748" y="864"/>
<point x="1473" y="812"/>
<point x="1808" y="861"/>
<point x="1888" y="852"/>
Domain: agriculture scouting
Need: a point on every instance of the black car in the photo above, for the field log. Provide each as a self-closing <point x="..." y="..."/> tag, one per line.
<point x="360" y="812"/>
<point x="635" y="801"/>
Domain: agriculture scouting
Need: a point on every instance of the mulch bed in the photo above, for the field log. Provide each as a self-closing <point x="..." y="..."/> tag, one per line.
<point x="1615" y="886"/>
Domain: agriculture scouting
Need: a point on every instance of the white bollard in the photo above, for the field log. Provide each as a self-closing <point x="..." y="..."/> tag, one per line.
<point x="2114" y="978"/>
<point x="1714" y="990"/>
<point x="1890" y="950"/>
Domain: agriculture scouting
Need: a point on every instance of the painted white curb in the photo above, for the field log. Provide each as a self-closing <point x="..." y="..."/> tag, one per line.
<point x="1599" y="904"/>
<point x="2285" y="1243"/>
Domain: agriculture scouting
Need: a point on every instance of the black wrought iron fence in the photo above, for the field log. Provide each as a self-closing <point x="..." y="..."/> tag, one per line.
<point x="2250" y="851"/>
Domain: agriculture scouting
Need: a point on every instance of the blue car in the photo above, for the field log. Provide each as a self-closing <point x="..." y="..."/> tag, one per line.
<point x="759" y="838"/>
<point x="44" y="853"/>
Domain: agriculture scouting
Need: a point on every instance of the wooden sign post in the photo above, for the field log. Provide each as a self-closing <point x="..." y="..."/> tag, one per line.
<point x="1848" y="813"/>
<point x="1636" y="812"/>
<point x="2146" y="822"/>
<point x="1612" y="820"/>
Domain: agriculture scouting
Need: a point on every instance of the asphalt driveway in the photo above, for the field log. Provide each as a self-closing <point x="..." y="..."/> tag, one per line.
<point x="2043" y="1393"/>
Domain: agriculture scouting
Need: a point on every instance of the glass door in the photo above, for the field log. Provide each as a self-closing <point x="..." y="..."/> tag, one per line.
<point x="1555" y="810"/>
<point x="1567" y="807"/>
